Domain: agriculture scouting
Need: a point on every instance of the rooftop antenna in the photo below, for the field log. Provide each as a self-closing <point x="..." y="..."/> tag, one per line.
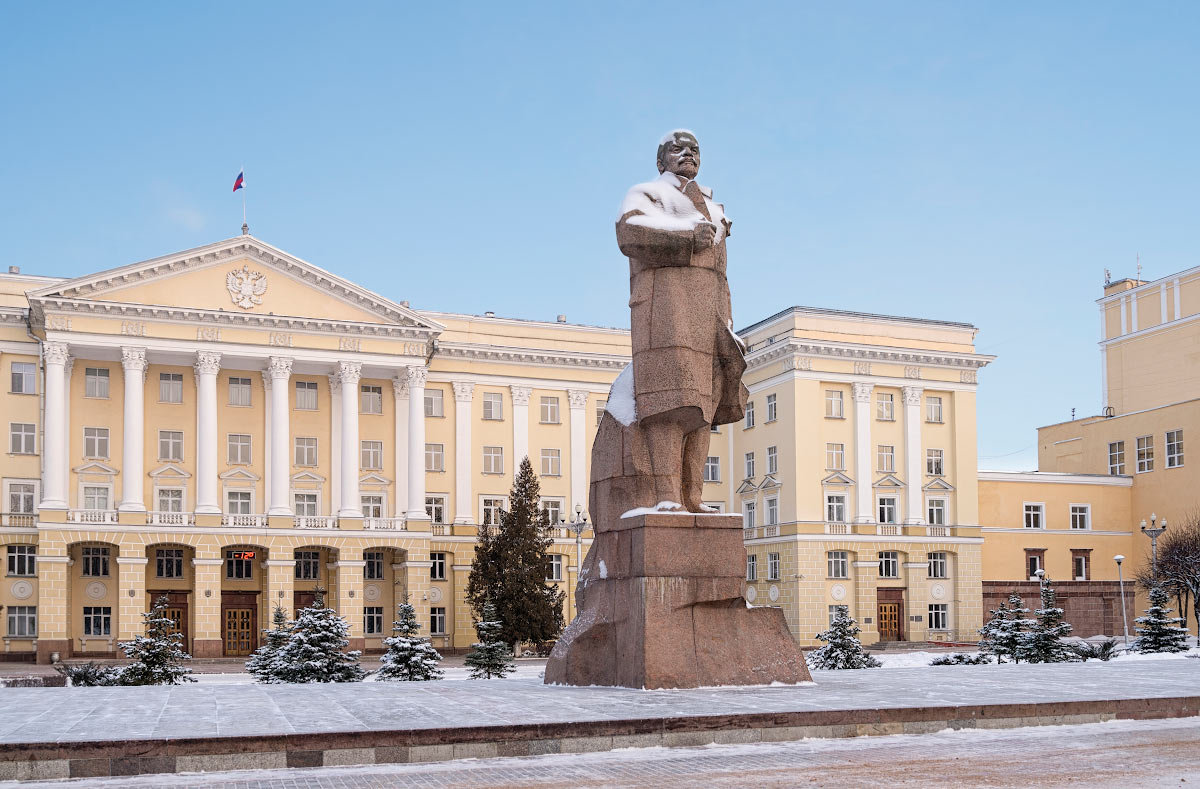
<point x="1107" y="278"/>
<point x="1139" y="267"/>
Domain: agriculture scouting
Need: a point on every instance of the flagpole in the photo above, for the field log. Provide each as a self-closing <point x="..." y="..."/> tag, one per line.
<point x="245" y="227"/>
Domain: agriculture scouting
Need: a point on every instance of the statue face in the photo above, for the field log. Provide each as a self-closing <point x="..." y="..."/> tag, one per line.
<point x="681" y="156"/>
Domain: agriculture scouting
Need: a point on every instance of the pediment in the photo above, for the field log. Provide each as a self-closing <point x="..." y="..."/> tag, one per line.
<point x="169" y="470"/>
<point x="373" y="479"/>
<point x="747" y="486"/>
<point x="938" y="485"/>
<point x="307" y="476"/>
<point x="888" y="481"/>
<point x="837" y="478"/>
<point x="238" y="475"/>
<point x="95" y="467"/>
<point x="239" y="275"/>
<point x="769" y="482"/>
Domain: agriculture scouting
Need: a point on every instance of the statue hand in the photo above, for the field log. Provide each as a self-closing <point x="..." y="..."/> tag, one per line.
<point x="703" y="235"/>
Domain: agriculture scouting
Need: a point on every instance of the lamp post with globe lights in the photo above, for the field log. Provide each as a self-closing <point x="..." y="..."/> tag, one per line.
<point x="1153" y="532"/>
<point x="1121" y="586"/>
<point x="578" y="524"/>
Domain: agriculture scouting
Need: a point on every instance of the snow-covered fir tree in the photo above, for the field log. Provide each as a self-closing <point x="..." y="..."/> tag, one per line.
<point x="1043" y="642"/>
<point x="264" y="662"/>
<point x="1004" y="634"/>
<point x="407" y="656"/>
<point x="1158" y="632"/>
<point x="490" y="656"/>
<point x="842" y="650"/>
<point x="314" y="651"/>
<point x="158" y="656"/>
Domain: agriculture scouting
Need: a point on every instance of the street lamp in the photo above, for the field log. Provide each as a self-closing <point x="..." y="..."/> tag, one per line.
<point x="1121" y="585"/>
<point x="1153" y="532"/>
<point x="578" y="524"/>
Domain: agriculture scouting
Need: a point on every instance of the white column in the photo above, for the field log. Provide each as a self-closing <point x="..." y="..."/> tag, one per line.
<point x="861" y="393"/>
<point x="266" y="448"/>
<point x="335" y="437"/>
<point x="280" y="369"/>
<point x="520" y="421"/>
<point x="577" y="398"/>
<point x="400" y="393"/>
<point x="54" y="436"/>
<point x="208" y="364"/>
<point x="912" y="454"/>
<point x="350" y="373"/>
<point x="1175" y="290"/>
<point x="1162" y="303"/>
<point x="416" y="443"/>
<point x="1133" y="318"/>
<point x="133" y="361"/>
<point x="463" y="392"/>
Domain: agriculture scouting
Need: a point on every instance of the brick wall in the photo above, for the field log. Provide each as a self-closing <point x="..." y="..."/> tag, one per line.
<point x="1092" y="607"/>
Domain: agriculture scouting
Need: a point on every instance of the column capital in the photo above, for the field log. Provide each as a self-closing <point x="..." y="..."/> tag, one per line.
<point x="463" y="391"/>
<point x="417" y="376"/>
<point x="280" y="367"/>
<point x="266" y="378"/>
<point x="335" y="383"/>
<point x="133" y="359"/>
<point x="400" y="387"/>
<point x="207" y="363"/>
<point x="577" y="398"/>
<point x="521" y="394"/>
<point x="349" y="373"/>
<point x="55" y="352"/>
<point x="861" y="392"/>
<point x="912" y="394"/>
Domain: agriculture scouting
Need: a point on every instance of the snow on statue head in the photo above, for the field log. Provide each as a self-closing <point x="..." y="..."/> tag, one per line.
<point x="679" y="153"/>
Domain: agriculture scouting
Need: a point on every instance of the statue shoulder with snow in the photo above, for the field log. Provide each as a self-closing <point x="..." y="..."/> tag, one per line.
<point x="686" y="374"/>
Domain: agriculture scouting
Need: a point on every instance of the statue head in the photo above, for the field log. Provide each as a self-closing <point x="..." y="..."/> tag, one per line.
<point x="679" y="153"/>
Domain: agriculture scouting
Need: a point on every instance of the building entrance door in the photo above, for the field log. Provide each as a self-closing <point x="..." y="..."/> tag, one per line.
<point x="239" y="631"/>
<point x="176" y="611"/>
<point x="889" y="622"/>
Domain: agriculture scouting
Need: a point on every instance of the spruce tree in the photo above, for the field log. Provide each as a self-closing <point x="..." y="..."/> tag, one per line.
<point x="843" y="650"/>
<point x="408" y="657"/>
<point x="1158" y="632"/>
<point x="511" y="566"/>
<point x="158" y="656"/>
<point x="1043" y="643"/>
<point x="314" y="651"/>
<point x="489" y="657"/>
<point x="1003" y="635"/>
<point x="264" y="662"/>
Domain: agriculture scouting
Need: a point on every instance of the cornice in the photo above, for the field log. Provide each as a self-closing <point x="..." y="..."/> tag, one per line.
<point x="793" y="348"/>
<point x="12" y="314"/>
<point x="509" y="355"/>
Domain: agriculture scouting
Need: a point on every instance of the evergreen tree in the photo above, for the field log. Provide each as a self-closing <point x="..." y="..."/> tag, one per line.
<point x="408" y="656"/>
<point x="489" y="657"/>
<point x="1003" y="635"/>
<point x="990" y="633"/>
<point x="1158" y="632"/>
<point x="158" y="656"/>
<point x="511" y="566"/>
<point x="843" y="650"/>
<point x="264" y="662"/>
<point x="1043" y="642"/>
<point x="314" y="648"/>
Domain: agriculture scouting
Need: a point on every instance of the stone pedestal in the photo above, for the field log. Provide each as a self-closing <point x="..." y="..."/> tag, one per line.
<point x="660" y="606"/>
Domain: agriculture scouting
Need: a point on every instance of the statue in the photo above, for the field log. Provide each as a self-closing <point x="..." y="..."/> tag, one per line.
<point x="660" y="596"/>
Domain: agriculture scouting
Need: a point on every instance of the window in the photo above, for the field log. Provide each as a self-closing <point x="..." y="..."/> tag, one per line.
<point x="772" y="460"/>
<point x="238" y="448"/>
<point x="885" y="408"/>
<point x="493" y="405"/>
<point x="22" y="620"/>
<point x="170" y="445"/>
<point x="553" y="509"/>
<point x="936" y="512"/>
<point x="1079" y="564"/>
<point x="372" y="620"/>
<point x="95" y="382"/>
<point x="168" y="563"/>
<point x="933" y="463"/>
<point x="20" y="497"/>
<point x="834" y="405"/>
<point x="1033" y="563"/>
<point x="556" y="567"/>
<point x="600" y="408"/>
<point x="939" y="616"/>
<point x="22" y="560"/>
<point x="433" y="402"/>
<point x="1174" y="448"/>
<point x="1081" y="516"/>
<point x="372" y="506"/>
<point x="239" y="564"/>
<point x="1145" y="454"/>
<point x="1035" y="516"/>
<point x="550" y="411"/>
<point x="437" y="620"/>
<point x="749" y="514"/>
<point x="95" y="497"/>
<point x="887" y="509"/>
<point x="305" y="504"/>
<point x="306" y="451"/>
<point x="887" y="457"/>
<point x="889" y="564"/>
<point x="839" y="564"/>
<point x="749" y="465"/>
<point x="24" y="378"/>
<point x="94" y="561"/>
<point x="835" y="507"/>
<point x="370" y="399"/>
<point x="237" y="502"/>
<point x="435" y="457"/>
<point x="1116" y="457"/>
<point x="491" y="511"/>
<point x="772" y="510"/>
<point x="373" y="569"/>
<point x="22" y="438"/>
<point x="751" y="567"/>
<point x="937" y="565"/>
<point x="712" y="469"/>
<point x="169" y="500"/>
<point x="435" y="508"/>
<point x="835" y="457"/>
<point x="772" y="567"/>
<point x="493" y="460"/>
<point x="749" y="414"/>
<point x="372" y="454"/>
<point x="306" y="395"/>
<point x="551" y="463"/>
<point x="437" y="566"/>
<point x="834" y="610"/>
<point x="772" y="408"/>
<point x="95" y="442"/>
<point x="308" y="565"/>
<point x="239" y="391"/>
<point x="170" y="387"/>
<point x="933" y="408"/>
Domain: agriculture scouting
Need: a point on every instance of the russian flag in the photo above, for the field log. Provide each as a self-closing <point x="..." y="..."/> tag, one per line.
<point x="240" y="183"/>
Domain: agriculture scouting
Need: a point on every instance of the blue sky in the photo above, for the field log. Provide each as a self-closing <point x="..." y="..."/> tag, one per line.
<point x="965" y="161"/>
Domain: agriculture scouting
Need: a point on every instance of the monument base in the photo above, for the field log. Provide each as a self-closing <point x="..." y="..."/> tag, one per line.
<point x="660" y="606"/>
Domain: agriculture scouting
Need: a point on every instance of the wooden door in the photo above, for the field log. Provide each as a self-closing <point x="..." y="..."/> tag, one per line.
<point x="176" y="611"/>
<point x="889" y="621"/>
<point x="240" y="631"/>
<point x="302" y="600"/>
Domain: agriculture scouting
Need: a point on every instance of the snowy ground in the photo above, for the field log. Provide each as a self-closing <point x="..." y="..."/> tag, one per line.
<point x="914" y="659"/>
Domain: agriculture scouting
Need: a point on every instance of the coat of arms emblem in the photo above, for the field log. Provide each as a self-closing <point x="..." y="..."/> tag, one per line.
<point x="246" y="287"/>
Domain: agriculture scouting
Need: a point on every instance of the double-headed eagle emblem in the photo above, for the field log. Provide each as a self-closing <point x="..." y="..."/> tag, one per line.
<point x="246" y="287"/>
